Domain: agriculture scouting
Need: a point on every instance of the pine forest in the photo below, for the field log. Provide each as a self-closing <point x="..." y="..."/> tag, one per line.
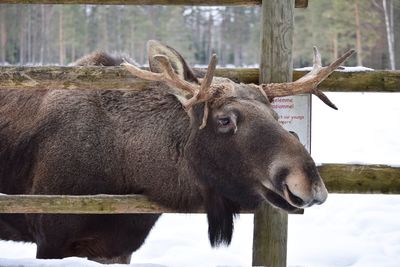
<point x="60" y="34"/>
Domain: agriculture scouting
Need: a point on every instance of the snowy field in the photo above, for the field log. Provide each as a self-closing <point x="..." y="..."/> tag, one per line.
<point x="347" y="230"/>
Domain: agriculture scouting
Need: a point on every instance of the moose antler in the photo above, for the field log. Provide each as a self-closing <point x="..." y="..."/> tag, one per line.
<point x="168" y="76"/>
<point x="309" y="82"/>
<point x="200" y="93"/>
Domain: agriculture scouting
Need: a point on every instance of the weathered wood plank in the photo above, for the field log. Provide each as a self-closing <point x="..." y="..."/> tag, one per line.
<point x="344" y="178"/>
<point x="270" y="236"/>
<point x="276" y="65"/>
<point x="365" y="81"/>
<point x="101" y="78"/>
<point x="299" y="3"/>
<point x="68" y="78"/>
<point x="88" y="204"/>
<point x="339" y="178"/>
<point x="99" y="204"/>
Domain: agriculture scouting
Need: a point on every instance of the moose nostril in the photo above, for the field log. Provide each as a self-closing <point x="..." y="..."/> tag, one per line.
<point x="293" y="198"/>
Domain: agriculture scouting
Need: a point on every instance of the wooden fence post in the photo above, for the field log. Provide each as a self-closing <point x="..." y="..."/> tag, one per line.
<point x="270" y="224"/>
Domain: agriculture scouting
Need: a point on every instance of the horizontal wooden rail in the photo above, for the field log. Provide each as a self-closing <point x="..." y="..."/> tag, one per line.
<point x="87" y="204"/>
<point x="339" y="178"/>
<point x="298" y="3"/>
<point x="361" y="179"/>
<point x="117" y="78"/>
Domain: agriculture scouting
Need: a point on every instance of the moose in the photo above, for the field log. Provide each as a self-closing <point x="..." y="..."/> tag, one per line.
<point x="185" y="142"/>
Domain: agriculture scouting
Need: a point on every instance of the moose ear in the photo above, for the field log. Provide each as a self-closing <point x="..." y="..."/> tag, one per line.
<point x="178" y="63"/>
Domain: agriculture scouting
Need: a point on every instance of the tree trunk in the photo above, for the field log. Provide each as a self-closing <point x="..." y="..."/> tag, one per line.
<point x="396" y="21"/>
<point x="335" y="47"/>
<point x="36" y="32"/>
<point x="73" y="45"/>
<point x="388" y="13"/>
<point x="358" y="33"/>
<point x="3" y="35"/>
<point x="21" y="37"/>
<point x="210" y="25"/>
<point x="43" y="34"/>
<point x="104" y="30"/>
<point x="29" y="35"/>
<point x="61" y="36"/>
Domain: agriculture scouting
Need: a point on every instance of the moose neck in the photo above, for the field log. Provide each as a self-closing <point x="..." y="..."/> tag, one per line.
<point x="152" y="130"/>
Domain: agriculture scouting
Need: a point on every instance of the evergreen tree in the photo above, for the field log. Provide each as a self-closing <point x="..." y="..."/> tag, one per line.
<point x="50" y="34"/>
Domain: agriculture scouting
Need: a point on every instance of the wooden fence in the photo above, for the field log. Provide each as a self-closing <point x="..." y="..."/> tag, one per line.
<point x="339" y="178"/>
<point x="103" y="78"/>
<point x="270" y="238"/>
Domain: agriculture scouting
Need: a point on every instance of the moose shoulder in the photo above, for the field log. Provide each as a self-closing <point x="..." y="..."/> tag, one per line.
<point x="184" y="142"/>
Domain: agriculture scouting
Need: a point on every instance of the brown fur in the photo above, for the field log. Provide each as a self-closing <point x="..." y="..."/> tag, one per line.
<point x="101" y="58"/>
<point x="140" y="142"/>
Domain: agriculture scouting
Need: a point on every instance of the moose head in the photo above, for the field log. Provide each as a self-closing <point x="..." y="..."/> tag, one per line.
<point x="237" y="150"/>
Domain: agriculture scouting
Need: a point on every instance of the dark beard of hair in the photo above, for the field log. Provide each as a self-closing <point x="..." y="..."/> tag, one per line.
<point x="220" y="214"/>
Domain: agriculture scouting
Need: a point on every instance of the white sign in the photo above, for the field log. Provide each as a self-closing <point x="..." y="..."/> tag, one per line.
<point x="295" y="115"/>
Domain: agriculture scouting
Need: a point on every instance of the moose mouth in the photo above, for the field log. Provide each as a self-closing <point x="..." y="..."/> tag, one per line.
<point x="280" y="202"/>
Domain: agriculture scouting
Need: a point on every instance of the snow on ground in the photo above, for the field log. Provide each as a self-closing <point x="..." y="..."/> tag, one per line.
<point x="365" y="129"/>
<point x="347" y="230"/>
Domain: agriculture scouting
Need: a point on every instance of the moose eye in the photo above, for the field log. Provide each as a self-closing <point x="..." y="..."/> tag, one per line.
<point x="227" y="123"/>
<point x="224" y="121"/>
